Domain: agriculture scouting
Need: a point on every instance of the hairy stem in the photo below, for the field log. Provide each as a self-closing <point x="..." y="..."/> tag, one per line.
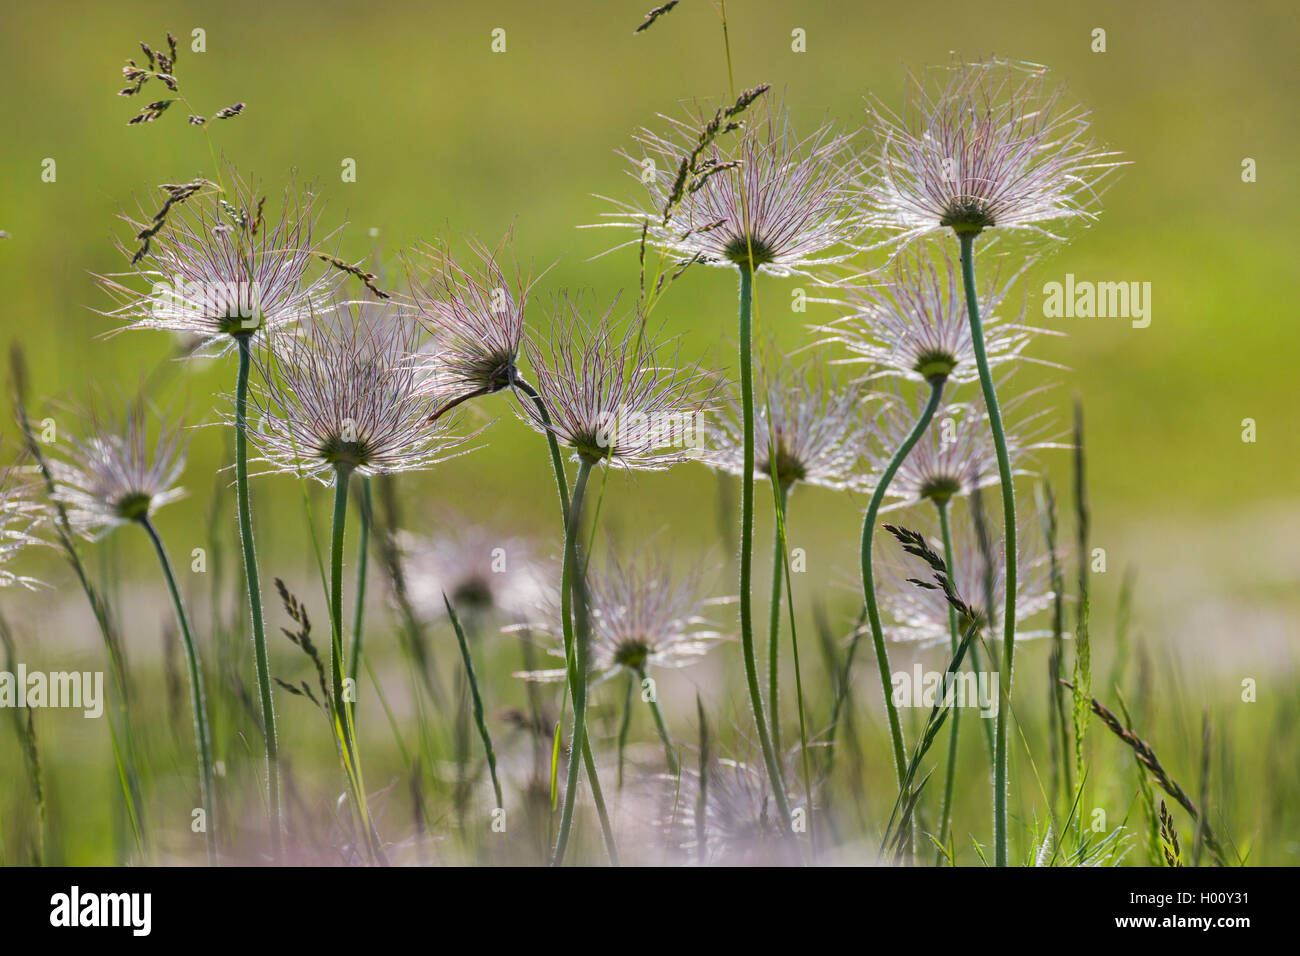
<point x="363" y="565"/>
<point x="954" y="631"/>
<point x="1009" y="536"/>
<point x="770" y="757"/>
<point x="562" y="487"/>
<point x="202" y="735"/>
<point x="774" y="620"/>
<point x="670" y="751"/>
<point x="479" y="720"/>
<point x="253" y="582"/>
<point x="576" y="653"/>
<point x="868" y="578"/>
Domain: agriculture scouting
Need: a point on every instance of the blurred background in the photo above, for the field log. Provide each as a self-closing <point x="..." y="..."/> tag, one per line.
<point x="450" y="138"/>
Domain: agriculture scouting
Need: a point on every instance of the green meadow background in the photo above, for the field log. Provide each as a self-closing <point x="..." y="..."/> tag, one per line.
<point x="450" y="138"/>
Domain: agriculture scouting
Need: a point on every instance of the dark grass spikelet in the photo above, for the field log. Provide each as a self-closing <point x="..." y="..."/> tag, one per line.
<point x="366" y="278"/>
<point x="653" y="15"/>
<point x="302" y="639"/>
<point x="914" y="543"/>
<point x="1147" y="757"/>
<point x="229" y="112"/>
<point x="1169" y="837"/>
<point x="691" y="165"/>
<point x="150" y="112"/>
<point x="177" y="193"/>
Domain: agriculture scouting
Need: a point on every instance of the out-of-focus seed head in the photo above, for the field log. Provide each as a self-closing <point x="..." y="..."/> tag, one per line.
<point x="642" y="617"/>
<point x="482" y="571"/>
<point x="20" y="517"/>
<point x="115" y="474"/>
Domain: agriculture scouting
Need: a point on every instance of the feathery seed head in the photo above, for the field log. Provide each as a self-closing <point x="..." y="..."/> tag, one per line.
<point x="763" y="199"/>
<point x="914" y="324"/>
<point x="816" y="433"/>
<point x="219" y="267"/>
<point x="475" y="315"/>
<point x="609" y="395"/>
<point x="956" y="454"/>
<point x="345" y="395"/>
<point x="981" y="145"/>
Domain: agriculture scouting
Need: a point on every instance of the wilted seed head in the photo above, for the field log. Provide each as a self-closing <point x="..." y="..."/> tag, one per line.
<point x="816" y="432"/>
<point x="914" y="324"/>
<point x="763" y="197"/>
<point x="921" y="613"/>
<point x="956" y="455"/>
<point x="218" y="267"/>
<point x="481" y="571"/>
<point x="609" y="397"/>
<point x="642" y="617"/>
<point x="115" y="474"/>
<point x="344" y="395"/>
<point x="20" y="516"/>
<point x="475" y="316"/>
<point x="981" y="145"/>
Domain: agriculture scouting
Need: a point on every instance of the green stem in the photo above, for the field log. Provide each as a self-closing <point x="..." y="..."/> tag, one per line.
<point x="201" y="732"/>
<point x="868" y="579"/>
<point x="343" y="708"/>
<point x="954" y="631"/>
<point x="747" y="549"/>
<point x="1009" y="535"/>
<point x="562" y="487"/>
<point x="774" y="621"/>
<point x="255" y="595"/>
<point x="625" y="724"/>
<point x="479" y="720"/>
<point x="670" y="751"/>
<point x="363" y="563"/>
<point x="572" y="579"/>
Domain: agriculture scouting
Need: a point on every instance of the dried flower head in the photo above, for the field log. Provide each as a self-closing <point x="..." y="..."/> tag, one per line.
<point x="345" y="396"/>
<point x="218" y="267"/>
<point x="116" y="474"/>
<point x="609" y="395"/>
<point x="20" y="516"/>
<point x="642" y="617"/>
<point x="475" y="315"/>
<point x="981" y="145"/>
<point x="809" y="428"/>
<point x="481" y="570"/>
<point x="914" y="324"/>
<point x="956" y="455"/>
<point x="763" y="196"/>
<point x="978" y="574"/>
